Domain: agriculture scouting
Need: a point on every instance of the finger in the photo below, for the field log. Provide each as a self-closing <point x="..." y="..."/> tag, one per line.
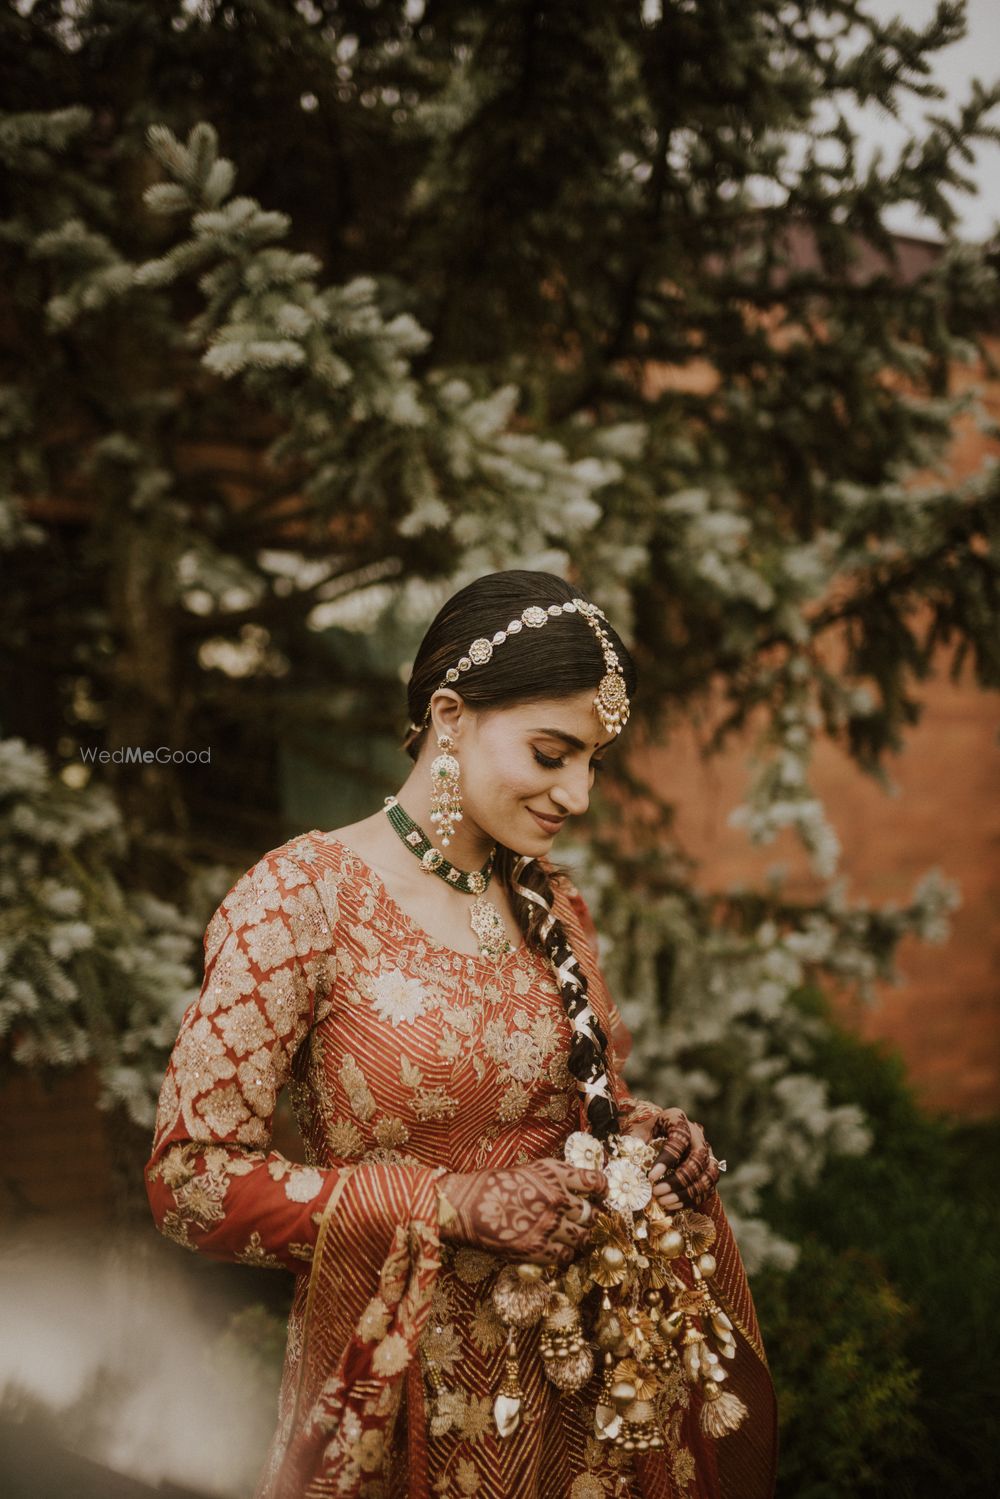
<point x="666" y="1118"/>
<point x="690" y="1168"/>
<point x="706" y="1183"/>
<point x="676" y="1144"/>
<point x="567" y="1237"/>
<point x="588" y="1183"/>
<point x="667" y="1197"/>
<point x="582" y="1211"/>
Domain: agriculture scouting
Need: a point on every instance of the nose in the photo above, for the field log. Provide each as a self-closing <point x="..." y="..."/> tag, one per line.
<point x="572" y="794"/>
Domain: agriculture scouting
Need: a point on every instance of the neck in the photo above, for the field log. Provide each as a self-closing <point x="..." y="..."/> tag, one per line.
<point x="469" y="845"/>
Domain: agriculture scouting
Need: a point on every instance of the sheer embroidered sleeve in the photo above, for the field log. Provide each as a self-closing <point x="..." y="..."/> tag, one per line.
<point x="212" y="1181"/>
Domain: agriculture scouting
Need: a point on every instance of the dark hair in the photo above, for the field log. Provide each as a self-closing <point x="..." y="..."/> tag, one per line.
<point x="561" y="659"/>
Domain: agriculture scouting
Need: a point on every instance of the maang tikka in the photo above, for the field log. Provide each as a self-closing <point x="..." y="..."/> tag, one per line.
<point x="611" y="699"/>
<point x="446" y="795"/>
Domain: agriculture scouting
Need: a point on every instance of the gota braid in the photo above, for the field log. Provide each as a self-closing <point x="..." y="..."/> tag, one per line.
<point x="587" y="1060"/>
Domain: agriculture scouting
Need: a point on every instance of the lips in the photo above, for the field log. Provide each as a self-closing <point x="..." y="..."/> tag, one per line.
<point x="547" y="824"/>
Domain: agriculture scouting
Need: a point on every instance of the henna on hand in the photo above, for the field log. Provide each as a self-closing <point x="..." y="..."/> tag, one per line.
<point x="703" y="1188"/>
<point x="693" y="1178"/>
<point x="531" y="1212"/>
<point x="675" y="1134"/>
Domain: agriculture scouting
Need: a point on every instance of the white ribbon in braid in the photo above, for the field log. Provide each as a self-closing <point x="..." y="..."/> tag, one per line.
<point x="584" y="1022"/>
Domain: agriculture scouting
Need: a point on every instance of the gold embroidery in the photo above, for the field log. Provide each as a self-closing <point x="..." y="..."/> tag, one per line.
<point x="443" y="1345"/>
<point x="176" y="1165"/>
<point x="486" y="1329"/>
<point x="588" y="1486"/>
<point x="344" y="1138"/>
<point x="200" y="1200"/>
<point x="254" y="1253"/>
<point x="222" y="1109"/>
<point x="410" y="1075"/>
<point x="245" y="1028"/>
<point x="473" y="1265"/>
<point x="513" y="1104"/>
<point x="467" y="1476"/>
<point x="391" y="1132"/>
<point x="260" y="1077"/>
<point x="174" y="1227"/>
<point x="523" y="1057"/>
<point x="434" y="1103"/>
<point x="270" y="944"/>
<point x="359" y="1095"/>
<point x="477" y="1418"/>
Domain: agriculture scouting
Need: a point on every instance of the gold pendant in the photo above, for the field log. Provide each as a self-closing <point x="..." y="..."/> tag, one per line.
<point x="487" y="923"/>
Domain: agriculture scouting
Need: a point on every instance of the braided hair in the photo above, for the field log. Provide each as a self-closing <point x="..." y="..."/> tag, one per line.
<point x="560" y="660"/>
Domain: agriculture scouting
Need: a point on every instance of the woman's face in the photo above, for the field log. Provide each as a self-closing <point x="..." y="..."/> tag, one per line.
<point x="526" y="769"/>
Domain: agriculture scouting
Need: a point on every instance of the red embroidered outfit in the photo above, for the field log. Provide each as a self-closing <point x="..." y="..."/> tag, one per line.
<point x="405" y="1059"/>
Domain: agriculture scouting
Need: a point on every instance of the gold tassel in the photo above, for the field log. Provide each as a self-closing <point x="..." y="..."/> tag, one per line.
<point x="520" y="1297"/>
<point x="507" y="1405"/>
<point x="721" y="1411"/>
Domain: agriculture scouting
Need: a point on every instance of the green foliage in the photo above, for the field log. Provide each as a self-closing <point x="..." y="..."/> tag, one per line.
<point x="899" y="1276"/>
<point x="92" y="971"/>
<point x="316" y="311"/>
<point x="835" y="1332"/>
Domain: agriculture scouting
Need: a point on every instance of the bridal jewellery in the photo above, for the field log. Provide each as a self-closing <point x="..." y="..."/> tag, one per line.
<point x="611" y="701"/>
<point x="446" y="798"/>
<point x="484" y="918"/>
<point x="623" y="1311"/>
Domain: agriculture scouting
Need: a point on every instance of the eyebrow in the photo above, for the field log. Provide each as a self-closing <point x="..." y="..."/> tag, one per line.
<point x="569" y="739"/>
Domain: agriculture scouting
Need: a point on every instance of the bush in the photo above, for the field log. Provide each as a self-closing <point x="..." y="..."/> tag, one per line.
<point x="880" y="1338"/>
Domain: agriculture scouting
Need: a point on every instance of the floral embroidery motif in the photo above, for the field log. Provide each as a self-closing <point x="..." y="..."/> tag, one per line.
<point x="523" y="1055"/>
<point x="391" y="1132"/>
<point x="398" y="999"/>
<point x="303" y="1186"/>
<point x="434" y="1103"/>
<point x="442" y="1344"/>
<point x="359" y="1095"/>
<point x="254" y="1253"/>
<point x="344" y="1138"/>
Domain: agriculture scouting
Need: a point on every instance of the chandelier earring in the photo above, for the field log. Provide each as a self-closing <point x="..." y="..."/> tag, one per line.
<point x="446" y="795"/>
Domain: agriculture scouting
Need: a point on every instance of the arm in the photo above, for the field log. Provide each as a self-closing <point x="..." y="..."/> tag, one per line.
<point x="213" y="1184"/>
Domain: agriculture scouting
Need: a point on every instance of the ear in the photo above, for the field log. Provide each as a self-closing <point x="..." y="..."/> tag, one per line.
<point x="446" y="713"/>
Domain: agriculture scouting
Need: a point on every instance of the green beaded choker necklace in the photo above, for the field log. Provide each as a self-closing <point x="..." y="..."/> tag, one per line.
<point x="485" y="919"/>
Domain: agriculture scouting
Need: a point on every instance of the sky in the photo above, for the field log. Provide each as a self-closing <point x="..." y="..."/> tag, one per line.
<point x="977" y="55"/>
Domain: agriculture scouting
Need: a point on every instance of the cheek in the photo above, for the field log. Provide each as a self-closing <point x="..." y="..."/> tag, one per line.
<point x="508" y="779"/>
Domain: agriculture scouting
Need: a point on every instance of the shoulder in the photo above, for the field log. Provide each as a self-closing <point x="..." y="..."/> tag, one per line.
<point x="298" y="881"/>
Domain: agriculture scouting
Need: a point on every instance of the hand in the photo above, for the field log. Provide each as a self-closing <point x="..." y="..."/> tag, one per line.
<point x="686" y="1171"/>
<point x="537" y="1212"/>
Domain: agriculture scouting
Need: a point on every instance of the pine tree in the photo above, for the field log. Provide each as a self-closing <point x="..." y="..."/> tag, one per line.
<point x="315" y="311"/>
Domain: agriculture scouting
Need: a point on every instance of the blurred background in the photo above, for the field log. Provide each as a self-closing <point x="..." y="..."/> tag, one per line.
<point x="310" y="312"/>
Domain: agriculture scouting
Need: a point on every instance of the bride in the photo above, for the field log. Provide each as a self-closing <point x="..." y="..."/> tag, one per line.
<point x="427" y="985"/>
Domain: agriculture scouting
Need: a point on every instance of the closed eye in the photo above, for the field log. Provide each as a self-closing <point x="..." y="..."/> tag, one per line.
<point x="557" y="763"/>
